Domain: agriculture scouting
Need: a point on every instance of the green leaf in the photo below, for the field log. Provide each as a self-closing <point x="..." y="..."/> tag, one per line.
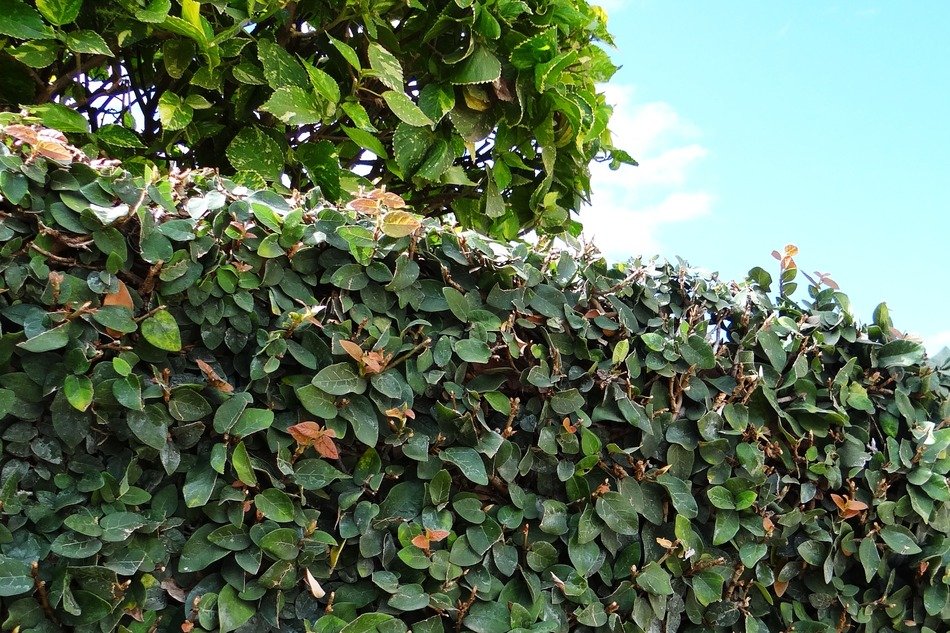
<point x="774" y="349"/>
<point x="88" y="42"/>
<point x="368" y="623"/>
<point x="339" y="380"/>
<point x="253" y="150"/>
<point x="324" y="85"/>
<point x="128" y="392"/>
<point x="472" y="350"/>
<point x="721" y="498"/>
<point x="173" y="112"/>
<point x="149" y="426"/>
<point x="294" y="106"/>
<point x="617" y="512"/>
<point x="457" y="303"/>
<point x="900" y="539"/>
<point x="725" y="527"/>
<point x="242" y="465"/>
<point x="15" y="577"/>
<point x="199" y="484"/>
<point x="361" y="415"/>
<point x="654" y="579"/>
<point x="385" y="66"/>
<point x="69" y="545"/>
<point x="680" y="494"/>
<point x="567" y="402"/>
<point x="347" y="51"/>
<point x="315" y="474"/>
<point x="161" y="331"/>
<point x="322" y="162"/>
<point x="78" y="391"/>
<point x="19" y="20"/>
<point x="59" y="117"/>
<point x="488" y="617"/>
<point x="198" y="552"/>
<point x="280" y="67"/>
<point x="404" y="108"/>
<point x="366" y="140"/>
<point x="900" y="353"/>
<point x="698" y="352"/>
<point x="653" y="341"/>
<point x="270" y="248"/>
<point x="468" y="461"/>
<point x="282" y="543"/>
<point x="233" y="612"/>
<point x="231" y="537"/>
<point x="47" y="341"/>
<point x="118" y="136"/>
<point x="707" y="587"/>
<point x="870" y="557"/>
<point x="37" y="53"/>
<point x="317" y="402"/>
<point x="478" y="68"/>
<point x="230" y="411"/>
<point x="59" y="12"/>
<point x="119" y="526"/>
<point x="252" y="421"/>
<point x="275" y="505"/>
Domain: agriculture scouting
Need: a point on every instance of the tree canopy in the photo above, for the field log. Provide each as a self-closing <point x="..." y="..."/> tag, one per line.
<point x="486" y="109"/>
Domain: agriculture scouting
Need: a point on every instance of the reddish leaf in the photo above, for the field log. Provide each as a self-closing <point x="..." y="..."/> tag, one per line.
<point x="213" y="378"/>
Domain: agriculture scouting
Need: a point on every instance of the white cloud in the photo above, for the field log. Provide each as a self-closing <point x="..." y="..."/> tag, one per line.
<point x="630" y="206"/>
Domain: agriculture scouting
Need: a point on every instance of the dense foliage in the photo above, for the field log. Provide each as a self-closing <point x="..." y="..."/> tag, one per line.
<point x="487" y="109"/>
<point x="223" y="409"/>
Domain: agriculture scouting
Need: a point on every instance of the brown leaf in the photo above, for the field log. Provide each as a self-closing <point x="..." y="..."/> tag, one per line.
<point x="315" y="589"/>
<point x="173" y="590"/>
<point x="310" y="434"/>
<point x="53" y="150"/>
<point x="387" y="198"/>
<point x="421" y="541"/>
<point x="213" y="378"/>
<point x="326" y="447"/>
<point x="365" y="205"/>
<point x="23" y="133"/>
<point x="436" y="535"/>
<point x="304" y="432"/>
<point x="780" y="588"/>
<point x="120" y="297"/>
<point x="374" y="362"/>
<point x="502" y="90"/>
<point x="354" y="350"/>
<point x="570" y="428"/>
<point x="840" y="501"/>
<point x="187" y="626"/>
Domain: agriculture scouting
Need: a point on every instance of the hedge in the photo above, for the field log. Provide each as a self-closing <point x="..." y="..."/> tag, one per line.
<point x="224" y="409"/>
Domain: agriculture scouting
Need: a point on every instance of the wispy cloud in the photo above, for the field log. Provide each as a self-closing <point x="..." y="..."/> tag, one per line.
<point x="630" y="206"/>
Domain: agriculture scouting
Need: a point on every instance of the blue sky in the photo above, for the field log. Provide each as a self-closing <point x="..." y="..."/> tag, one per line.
<point x="761" y="124"/>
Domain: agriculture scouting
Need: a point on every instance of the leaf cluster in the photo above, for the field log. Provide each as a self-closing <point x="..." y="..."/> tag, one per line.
<point x="222" y="409"/>
<point x="488" y="110"/>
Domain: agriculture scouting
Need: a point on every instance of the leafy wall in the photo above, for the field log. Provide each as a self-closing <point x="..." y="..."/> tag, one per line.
<point x="226" y="409"/>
